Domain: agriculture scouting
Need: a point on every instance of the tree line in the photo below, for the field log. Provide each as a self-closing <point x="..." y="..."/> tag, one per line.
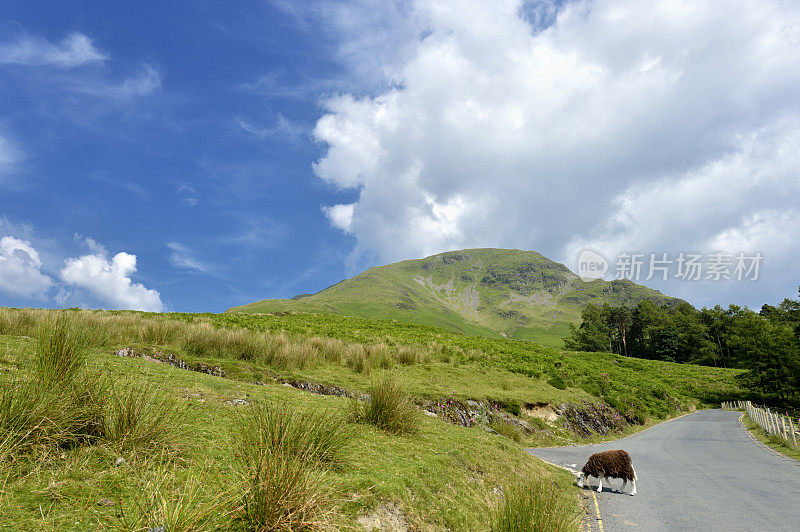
<point x="766" y="343"/>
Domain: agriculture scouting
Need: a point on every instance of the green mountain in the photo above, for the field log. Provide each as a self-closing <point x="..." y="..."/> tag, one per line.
<point x="491" y="292"/>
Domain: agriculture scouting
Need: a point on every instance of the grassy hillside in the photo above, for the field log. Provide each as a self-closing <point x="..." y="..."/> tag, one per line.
<point x="491" y="292"/>
<point x="63" y="426"/>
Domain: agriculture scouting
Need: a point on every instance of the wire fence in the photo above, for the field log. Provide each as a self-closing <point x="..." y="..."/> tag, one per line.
<point x="772" y="423"/>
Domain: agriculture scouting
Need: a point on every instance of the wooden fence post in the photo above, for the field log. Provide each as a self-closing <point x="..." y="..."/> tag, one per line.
<point x="794" y="438"/>
<point x="783" y="426"/>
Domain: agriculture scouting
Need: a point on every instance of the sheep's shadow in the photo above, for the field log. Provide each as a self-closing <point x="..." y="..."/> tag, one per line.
<point x="606" y="489"/>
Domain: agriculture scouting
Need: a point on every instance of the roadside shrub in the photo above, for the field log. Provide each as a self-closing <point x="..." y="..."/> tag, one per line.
<point x="534" y="504"/>
<point x="388" y="408"/>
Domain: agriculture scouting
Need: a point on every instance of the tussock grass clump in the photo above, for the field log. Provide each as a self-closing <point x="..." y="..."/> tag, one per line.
<point x="534" y="504"/>
<point x="19" y="322"/>
<point x="281" y="493"/>
<point x="319" y="437"/>
<point x="62" y="405"/>
<point x="356" y="357"/>
<point x="38" y="415"/>
<point x="60" y="349"/>
<point x="167" y="501"/>
<point x="280" y="450"/>
<point x="380" y="356"/>
<point x="333" y="350"/>
<point x="204" y="341"/>
<point x="137" y="419"/>
<point x="415" y="354"/>
<point x="388" y="407"/>
<point x="302" y="355"/>
<point x="504" y="428"/>
<point x="159" y="331"/>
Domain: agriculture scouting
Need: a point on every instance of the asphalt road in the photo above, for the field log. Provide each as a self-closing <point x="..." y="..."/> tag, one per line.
<point x="698" y="472"/>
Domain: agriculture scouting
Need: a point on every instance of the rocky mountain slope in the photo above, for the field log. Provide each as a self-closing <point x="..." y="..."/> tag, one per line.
<point x="493" y="292"/>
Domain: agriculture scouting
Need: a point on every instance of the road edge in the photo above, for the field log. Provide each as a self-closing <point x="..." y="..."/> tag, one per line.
<point x="764" y="445"/>
<point x="623" y="437"/>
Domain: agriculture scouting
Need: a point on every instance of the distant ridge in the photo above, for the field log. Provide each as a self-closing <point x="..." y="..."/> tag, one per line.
<point x="492" y="292"/>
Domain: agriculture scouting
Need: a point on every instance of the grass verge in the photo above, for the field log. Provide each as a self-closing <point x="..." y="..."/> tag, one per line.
<point x="775" y="442"/>
<point x="534" y="504"/>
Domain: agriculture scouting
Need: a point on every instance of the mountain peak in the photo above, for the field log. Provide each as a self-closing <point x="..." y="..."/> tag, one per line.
<point x="487" y="291"/>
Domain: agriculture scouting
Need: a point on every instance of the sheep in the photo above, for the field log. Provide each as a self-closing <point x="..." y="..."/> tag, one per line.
<point x="616" y="464"/>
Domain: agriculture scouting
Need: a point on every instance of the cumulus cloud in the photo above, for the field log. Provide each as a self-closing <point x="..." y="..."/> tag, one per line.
<point x="109" y="281"/>
<point x="622" y="124"/>
<point x="20" y="269"/>
<point x="74" y="50"/>
<point x="340" y="216"/>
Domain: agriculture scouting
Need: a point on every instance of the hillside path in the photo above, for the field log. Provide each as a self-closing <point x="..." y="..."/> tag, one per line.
<point x="702" y="471"/>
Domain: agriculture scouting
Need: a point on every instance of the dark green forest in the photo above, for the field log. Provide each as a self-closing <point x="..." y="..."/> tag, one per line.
<point x="766" y="343"/>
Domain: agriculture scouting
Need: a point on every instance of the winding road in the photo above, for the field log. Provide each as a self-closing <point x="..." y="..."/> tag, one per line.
<point x="702" y="471"/>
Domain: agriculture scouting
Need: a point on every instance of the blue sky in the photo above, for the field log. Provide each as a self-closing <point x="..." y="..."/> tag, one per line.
<point x="198" y="155"/>
<point x="186" y="144"/>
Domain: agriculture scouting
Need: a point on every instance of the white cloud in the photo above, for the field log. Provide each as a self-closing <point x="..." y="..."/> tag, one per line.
<point x="185" y="258"/>
<point x="74" y="50"/>
<point x="10" y="155"/>
<point x="109" y="281"/>
<point x="340" y="216"/>
<point x="142" y="83"/>
<point x="20" y="269"/>
<point x="626" y="124"/>
<point x="283" y="128"/>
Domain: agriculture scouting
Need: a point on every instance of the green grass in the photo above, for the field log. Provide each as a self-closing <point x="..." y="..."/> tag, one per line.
<point x="205" y="452"/>
<point x="388" y="407"/>
<point x="488" y="292"/>
<point x="441" y="476"/>
<point x="776" y="442"/>
<point x="534" y="504"/>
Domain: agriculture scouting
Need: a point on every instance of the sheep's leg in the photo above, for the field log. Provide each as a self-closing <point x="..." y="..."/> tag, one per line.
<point x="624" y="483"/>
<point x="633" y="482"/>
<point x="599" y="485"/>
